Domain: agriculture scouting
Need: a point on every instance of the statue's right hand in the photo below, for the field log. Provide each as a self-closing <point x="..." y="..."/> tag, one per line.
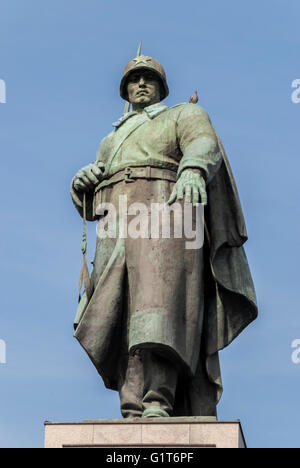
<point x="88" y="177"/>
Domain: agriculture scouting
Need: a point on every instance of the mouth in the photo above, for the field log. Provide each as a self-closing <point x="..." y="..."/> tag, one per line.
<point x="142" y="93"/>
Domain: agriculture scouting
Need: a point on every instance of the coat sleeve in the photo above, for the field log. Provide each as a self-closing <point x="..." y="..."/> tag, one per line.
<point x="198" y="142"/>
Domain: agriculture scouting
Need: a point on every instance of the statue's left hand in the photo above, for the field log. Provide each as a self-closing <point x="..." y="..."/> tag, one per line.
<point x="190" y="185"/>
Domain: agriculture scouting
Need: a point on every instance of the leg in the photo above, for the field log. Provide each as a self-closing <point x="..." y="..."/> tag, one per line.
<point x="147" y="385"/>
<point x="160" y="379"/>
<point x="131" y="383"/>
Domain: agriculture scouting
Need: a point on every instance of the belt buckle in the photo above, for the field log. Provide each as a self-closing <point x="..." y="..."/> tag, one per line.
<point x="127" y="173"/>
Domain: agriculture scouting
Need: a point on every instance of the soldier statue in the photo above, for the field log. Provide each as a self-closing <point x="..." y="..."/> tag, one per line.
<point x="156" y="314"/>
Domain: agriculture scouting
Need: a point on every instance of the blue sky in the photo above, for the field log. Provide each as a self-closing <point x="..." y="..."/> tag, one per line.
<point x="62" y="63"/>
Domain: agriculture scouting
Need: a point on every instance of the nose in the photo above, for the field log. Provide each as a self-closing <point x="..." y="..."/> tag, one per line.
<point x="142" y="81"/>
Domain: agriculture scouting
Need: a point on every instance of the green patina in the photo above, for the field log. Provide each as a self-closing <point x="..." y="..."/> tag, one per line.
<point x="153" y="295"/>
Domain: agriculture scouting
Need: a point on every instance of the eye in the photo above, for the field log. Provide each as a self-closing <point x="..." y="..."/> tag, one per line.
<point x="150" y="76"/>
<point x="133" y="78"/>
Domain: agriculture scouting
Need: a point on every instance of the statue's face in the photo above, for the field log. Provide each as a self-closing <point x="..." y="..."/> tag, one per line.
<point x="143" y="88"/>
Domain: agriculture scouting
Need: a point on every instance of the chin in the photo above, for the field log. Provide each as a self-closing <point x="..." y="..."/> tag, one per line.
<point x="143" y="100"/>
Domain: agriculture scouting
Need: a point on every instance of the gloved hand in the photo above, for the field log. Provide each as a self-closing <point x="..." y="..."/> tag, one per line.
<point x="190" y="185"/>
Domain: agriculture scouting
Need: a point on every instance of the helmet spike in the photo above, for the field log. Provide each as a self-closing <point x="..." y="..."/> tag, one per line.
<point x="139" y="49"/>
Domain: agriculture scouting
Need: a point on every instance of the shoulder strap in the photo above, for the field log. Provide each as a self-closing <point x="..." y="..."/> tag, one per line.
<point x="115" y="151"/>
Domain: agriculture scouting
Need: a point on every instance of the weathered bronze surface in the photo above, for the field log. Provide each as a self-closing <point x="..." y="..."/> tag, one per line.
<point x="159" y="313"/>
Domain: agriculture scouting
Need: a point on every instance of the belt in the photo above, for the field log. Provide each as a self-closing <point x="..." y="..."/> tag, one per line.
<point x="130" y="174"/>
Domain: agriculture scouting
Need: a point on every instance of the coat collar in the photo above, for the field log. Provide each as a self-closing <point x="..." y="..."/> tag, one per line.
<point x="152" y="111"/>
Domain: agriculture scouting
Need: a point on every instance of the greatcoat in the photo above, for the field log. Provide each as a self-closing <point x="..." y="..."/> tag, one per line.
<point x="153" y="293"/>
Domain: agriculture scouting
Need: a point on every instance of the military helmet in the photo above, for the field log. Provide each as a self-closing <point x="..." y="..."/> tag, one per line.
<point x="146" y="63"/>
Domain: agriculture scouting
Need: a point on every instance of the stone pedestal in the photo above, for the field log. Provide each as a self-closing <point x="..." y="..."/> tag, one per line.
<point x="185" y="432"/>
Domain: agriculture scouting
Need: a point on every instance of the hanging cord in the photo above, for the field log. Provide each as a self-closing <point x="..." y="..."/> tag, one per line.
<point x="84" y="273"/>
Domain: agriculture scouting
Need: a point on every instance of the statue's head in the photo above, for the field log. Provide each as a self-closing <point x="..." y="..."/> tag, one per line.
<point x="144" y="82"/>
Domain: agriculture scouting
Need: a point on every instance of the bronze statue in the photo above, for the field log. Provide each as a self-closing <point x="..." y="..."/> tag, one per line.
<point x="157" y="313"/>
